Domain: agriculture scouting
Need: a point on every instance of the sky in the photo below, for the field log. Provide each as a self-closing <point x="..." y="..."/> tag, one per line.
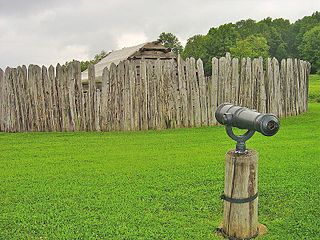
<point x="48" y="32"/>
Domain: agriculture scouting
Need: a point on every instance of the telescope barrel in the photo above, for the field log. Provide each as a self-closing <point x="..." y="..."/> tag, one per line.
<point x="244" y="118"/>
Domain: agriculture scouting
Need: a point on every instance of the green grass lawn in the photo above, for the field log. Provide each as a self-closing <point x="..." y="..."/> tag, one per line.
<point x="155" y="184"/>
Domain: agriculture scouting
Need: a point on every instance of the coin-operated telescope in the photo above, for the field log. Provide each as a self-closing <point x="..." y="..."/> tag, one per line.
<point x="240" y="196"/>
<point x="244" y="118"/>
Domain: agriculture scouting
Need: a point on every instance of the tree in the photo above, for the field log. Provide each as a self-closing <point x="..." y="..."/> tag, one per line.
<point x="169" y="40"/>
<point x="299" y="28"/>
<point x="196" y="47"/>
<point x="221" y="39"/>
<point x="246" y="28"/>
<point x="252" y="46"/>
<point x="310" y="48"/>
<point x="98" y="57"/>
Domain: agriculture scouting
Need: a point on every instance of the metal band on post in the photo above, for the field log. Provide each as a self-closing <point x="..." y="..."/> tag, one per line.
<point x="237" y="200"/>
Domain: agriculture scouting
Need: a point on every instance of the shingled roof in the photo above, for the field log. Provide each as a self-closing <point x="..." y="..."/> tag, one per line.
<point x="147" y="50"/>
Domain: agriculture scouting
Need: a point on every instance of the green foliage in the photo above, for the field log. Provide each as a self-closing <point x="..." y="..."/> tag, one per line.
<point x="85" y="65"/>
<point x="169" y="40"/>
<point x="153" y="184"/>
<point x="314" y="88"/>
<point x="252" y="46"/>
<point x="97" y="58"/>
<point x="310" y="48"/>
<point x="216" y="43"/>
<point x="283" y="38"/>
<point x="196" y="47"/>
<point x="299" y="28"/>
<point x="221" y="39"/>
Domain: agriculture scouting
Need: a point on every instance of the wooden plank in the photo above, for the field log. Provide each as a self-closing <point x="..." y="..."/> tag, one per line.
<point x="222" y="80"/>
<point x="202" y="93"/>
<point x="47" y="100"/>
<point x="127" y="97"/>
<point x="159" y="94"/>
<point x="228" y="79"/>
<point x="183" y="91"/>
<point x="65" y="98"/>
<point x="91" y="98"/>
<point x="269" y="85"/>
<point x="276" y="100"/>
<point x="304" y="89"/>
<point x="32" y="86"/>
<point x="105" y="87"/>
<point x="54" y="100"/>
<point x="242" y="84"/>
<point x="40" y="98"/>
<point x="261" y="97"/>
<point x="71" y="82"/>
<point x="301" y="86"/>
<point x="144" y="96"/>
<point x="17" y="92"/>
<point x="249" y="90"/>
<point x="120" y="96"/>
<point x="134" y="124"/>
<point x="174" y="101"/>
<point x="215" y="90"/>
<point x="113" y="99"/>
<point x="27" y="99"/>
<point x="8" y="88"/>
<point x="306" y="82"/>
<point x="255" y="83"/>
<point x="165" y="117"/>
<point x="296" y="86"/>
<point x="189" y="92"/>
<point x="234" y="86"/>
<point x="14" y="101"/>
<point x="289" y="79"/>
<point x="97" y="110"/>
<point x="80" y="113"/>
<point x="60" y="96"/>
<point x="195" y="93"/>
<point x="283" y="86"/>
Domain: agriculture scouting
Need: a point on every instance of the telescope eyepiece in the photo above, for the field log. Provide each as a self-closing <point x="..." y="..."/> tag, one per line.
<point x="269" y="125"/>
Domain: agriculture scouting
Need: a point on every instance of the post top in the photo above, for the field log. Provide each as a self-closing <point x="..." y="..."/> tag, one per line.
<point x="249" y="154"/>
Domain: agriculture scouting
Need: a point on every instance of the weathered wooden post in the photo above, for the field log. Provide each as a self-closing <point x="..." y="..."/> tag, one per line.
<point x="240" y="217"/>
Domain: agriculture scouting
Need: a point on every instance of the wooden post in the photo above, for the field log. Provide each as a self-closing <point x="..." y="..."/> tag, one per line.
<point x="240" y="220"/>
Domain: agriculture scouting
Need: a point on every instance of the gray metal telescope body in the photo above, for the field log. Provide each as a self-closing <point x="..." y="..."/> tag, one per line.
<point x="244" y="118"/>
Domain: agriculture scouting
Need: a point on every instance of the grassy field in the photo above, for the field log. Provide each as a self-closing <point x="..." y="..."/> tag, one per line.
<point x="153" y="185"/>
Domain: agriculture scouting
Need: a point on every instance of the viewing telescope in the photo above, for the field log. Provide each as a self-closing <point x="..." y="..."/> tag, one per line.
<point x="244" y="118"/>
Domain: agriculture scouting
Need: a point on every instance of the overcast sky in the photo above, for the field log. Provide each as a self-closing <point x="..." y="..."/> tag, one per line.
<point x="51" y="31"/>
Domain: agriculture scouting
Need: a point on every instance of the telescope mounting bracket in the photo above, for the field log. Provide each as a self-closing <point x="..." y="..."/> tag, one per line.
<point x="241" y="140"/>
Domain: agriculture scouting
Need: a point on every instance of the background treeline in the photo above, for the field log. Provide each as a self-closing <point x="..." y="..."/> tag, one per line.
<point x="248" y="38"/>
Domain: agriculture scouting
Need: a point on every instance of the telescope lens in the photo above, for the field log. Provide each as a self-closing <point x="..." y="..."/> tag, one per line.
<point x="269" y="125"/>
<point x="272" y="125"/>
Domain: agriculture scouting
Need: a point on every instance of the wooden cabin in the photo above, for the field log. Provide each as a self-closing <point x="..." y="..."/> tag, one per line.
<point x="149" y="51"/>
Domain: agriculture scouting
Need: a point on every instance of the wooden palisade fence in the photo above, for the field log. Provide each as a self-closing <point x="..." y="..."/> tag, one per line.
<point x="155" y="95"/>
